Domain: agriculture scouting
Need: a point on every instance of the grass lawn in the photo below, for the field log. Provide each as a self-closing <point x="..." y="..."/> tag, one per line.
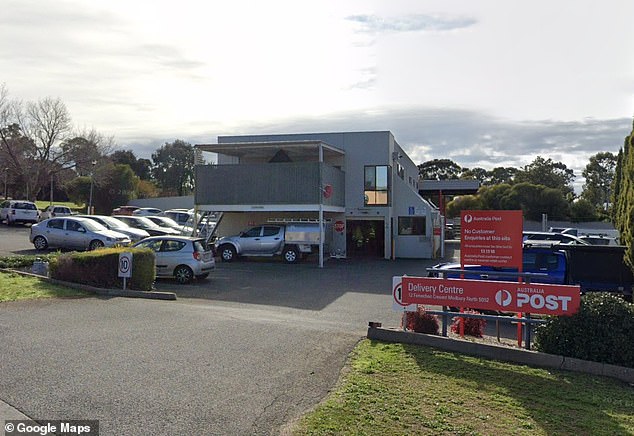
<point x="399" y="389"/>
<point x="17" y="287"/>
<point x="43" y="204"/>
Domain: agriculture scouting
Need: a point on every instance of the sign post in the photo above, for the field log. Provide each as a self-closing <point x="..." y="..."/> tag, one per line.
<point x="125" y="267"/>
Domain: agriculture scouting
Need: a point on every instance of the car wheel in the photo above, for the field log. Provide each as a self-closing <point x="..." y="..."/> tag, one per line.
<point x="202" y="276"/>
<point x="183" y="274"/>
<point x="227" y="253"/>
<point x="290" y="255"/>
<point x="94" y="244"/>
<point x="40" y="243"/>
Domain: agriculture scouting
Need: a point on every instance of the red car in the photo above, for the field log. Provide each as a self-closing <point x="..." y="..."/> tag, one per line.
<point x="124" y="210"/>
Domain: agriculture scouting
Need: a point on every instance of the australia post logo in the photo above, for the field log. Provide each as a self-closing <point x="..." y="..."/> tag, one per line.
<point x="533" y="301"/>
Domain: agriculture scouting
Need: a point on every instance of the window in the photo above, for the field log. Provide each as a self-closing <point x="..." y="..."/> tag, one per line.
<point x="251" y="233"/>
<point x="55" y="224"/>
<point x="73" y="226"/>
<point x="152" y="245"/>
<point x="377" y="186"/>
<point x="412" y="225"/>
<point x="270" y="231"/>
<point x="171" y="245"/>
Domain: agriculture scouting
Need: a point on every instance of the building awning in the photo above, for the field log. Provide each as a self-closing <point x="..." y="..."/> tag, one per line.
<point x="297" y="151"/>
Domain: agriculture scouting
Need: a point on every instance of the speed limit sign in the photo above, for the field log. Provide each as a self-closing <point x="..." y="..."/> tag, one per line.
<point x="125" y="265"/>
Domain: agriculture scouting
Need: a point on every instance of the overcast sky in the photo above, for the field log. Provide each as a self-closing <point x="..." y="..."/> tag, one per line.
<point x="485" y="83"/>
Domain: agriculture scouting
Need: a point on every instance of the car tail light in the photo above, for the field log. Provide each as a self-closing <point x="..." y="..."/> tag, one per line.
<point x="196" y="255"/>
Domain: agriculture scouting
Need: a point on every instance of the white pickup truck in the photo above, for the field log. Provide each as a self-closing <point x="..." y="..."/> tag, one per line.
<point x="292" y="241"/>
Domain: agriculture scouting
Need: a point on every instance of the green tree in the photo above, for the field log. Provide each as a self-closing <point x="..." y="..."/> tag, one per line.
<point x="114" y="185"/>
<point x="173" y="168"/>
<point x="494" y="197"/>
<point x="546" y="172"/>
<point x="463" y="202"/>
<point x="599" y="174"/>
<point x="535" y="200"/>
<point x="502" y="175"/>
<point x="439" y="169"/>
<point x="583" y="210"/>
<point x="479" y="174"/>
<point x="624" y="197"/>
<point x="141" y="167"/>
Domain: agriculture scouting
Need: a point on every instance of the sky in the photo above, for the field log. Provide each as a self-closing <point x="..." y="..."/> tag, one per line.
<point x="484" y="83"/>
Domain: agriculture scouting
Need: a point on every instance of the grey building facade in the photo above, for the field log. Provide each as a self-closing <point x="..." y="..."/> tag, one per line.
<point x="363" y="183"/>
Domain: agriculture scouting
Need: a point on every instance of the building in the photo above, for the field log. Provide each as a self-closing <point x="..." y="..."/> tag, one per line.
<point x="361" y="182"/>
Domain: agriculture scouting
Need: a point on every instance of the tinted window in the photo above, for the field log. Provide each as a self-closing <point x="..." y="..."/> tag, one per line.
<point x="198" y="246"/>
<point x="271" y="231"/>
<point x="252" y="233"/>
<point x="26" y="206"/>
<point x="55" y="224"/>
<point x="173" y="245"/>
<point x="152" y="245"/>
<point x="73" y="226"/>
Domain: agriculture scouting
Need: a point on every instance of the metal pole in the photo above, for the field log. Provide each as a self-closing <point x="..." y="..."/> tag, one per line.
<point x="6" y="174"/>
<point x="89" y="211"/>
<point x="51" y="196"/>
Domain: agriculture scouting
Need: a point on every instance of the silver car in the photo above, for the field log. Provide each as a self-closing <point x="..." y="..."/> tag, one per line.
<point x="111" y="223"/>
<point x="181" y="257"/>
<point x="74" y="233"/>
<point x="18" y="211"/>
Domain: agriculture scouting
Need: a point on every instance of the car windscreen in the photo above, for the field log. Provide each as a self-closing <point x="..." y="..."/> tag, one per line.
<point x="93" y="226"/>
<point x="144" y="223"/>
<point x="114" y="223"/>
<point x="25" y="206"/>
<point x="167" y="221"/>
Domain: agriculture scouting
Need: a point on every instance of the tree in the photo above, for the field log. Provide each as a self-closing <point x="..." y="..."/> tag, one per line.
<point x="463" y="202"/>
<point x="548" y="173"/>
<point x="439" y="169"/>
<point x="479" y="174"/>
<point x="599" y="174"/>
<point x="624" y="197"/>
<point x="535" y="200"/>
<point x="583" y="210"/>
<point x="494" y="197"/>
<point x="502" y="175"/>
<point x="141" y="167"/>
<point x="173" y="168"/>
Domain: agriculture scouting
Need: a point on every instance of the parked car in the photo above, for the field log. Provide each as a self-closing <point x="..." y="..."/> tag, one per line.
<point x="140" y="222"/>
<point x="184" y="217"/>
<point x="55" y="211"/>
<point x="164" y="221"/>
<point x="146" y="211"/>
<point x="18" y="211"/>
<point x="112" y="223"/>
<point x="74" y="233"/>
<point x="124" y="210"/>
<point x="599" y="240"/>
<point x="562" y="238"/>
<point x="181" y="257"/>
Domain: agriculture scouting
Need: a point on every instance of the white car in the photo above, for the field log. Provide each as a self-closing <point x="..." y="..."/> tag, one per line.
<point x="18" y="211"/>
<point x="74" y="233"/>
<point x="55" y="211"/>
<point x="112" y="223"/>
<point x="147" y="211"/>
<point x="181" y="257"/>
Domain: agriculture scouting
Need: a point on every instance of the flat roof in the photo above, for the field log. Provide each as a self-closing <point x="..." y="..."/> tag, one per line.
<point x="296" y="150"/>
<point x="454" y="186"/>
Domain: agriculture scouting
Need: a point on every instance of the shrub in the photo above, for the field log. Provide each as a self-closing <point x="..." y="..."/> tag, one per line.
<point x="99" y="268"/>
<point x="24" y="261"/>
<point x="421" y="321"/>
<point x="602" y="331"/>
<point x="472" y="326"/>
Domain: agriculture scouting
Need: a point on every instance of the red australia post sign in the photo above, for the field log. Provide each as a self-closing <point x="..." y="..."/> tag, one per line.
<point x="491" y="237"/>
<point x="492" y="295"/>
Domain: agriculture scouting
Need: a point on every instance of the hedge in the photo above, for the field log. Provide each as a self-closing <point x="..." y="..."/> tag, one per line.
<point x="100" y="268"/>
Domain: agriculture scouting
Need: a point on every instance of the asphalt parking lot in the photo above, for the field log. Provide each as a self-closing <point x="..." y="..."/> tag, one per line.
<point x="243" y="352"/>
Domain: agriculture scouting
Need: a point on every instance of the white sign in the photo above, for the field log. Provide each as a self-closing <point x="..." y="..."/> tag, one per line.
<point x="125" y="265"/>
<point x="397" y="297"/>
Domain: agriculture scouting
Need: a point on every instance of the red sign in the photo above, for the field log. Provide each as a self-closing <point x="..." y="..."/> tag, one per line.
<point x="491" y="238"/>
<point x="492" y="295"/>
<point x="340" y="226"/>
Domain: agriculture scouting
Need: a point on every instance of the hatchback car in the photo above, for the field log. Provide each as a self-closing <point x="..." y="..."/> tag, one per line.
<point x="181" y="257"/>
<point x="74" y="233"/>
<point x="111" y="223"/>
<point x="141" y="222"/>
<point x="55" y="211"/>
<point x="18" y="211"/>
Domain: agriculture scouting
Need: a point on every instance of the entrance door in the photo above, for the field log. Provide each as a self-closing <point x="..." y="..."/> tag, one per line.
<point x="365" y="238"/>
